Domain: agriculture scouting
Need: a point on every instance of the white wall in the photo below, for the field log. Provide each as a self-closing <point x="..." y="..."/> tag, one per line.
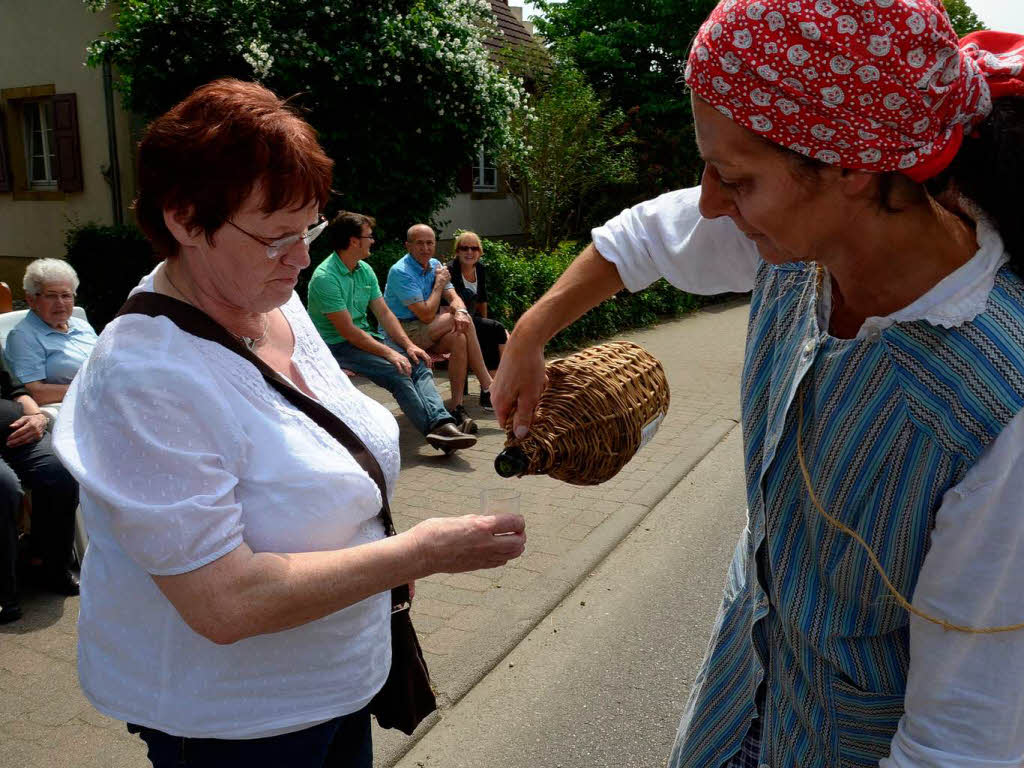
<point x="487" y="217"/>
<point x="43" y="42"/>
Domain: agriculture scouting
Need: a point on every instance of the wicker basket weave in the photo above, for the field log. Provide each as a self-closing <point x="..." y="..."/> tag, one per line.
<point x="600" y="406"/>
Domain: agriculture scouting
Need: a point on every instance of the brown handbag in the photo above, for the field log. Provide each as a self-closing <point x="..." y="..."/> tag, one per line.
<point x="407" y="696"/>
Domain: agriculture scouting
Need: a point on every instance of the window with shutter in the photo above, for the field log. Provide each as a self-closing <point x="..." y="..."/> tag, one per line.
<point x="40" y="155"/>
<point x="5" y="165"/>
<point x="66" y="142"/>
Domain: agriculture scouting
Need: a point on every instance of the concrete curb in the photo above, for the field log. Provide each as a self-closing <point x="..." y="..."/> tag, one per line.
<point x="530" y="608"/>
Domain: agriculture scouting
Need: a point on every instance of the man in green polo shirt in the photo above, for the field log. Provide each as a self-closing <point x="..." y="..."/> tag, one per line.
<point x="341" y="292"/>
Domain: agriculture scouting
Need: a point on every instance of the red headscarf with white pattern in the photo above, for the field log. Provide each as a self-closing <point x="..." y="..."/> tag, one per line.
<point x="878" y="85"/>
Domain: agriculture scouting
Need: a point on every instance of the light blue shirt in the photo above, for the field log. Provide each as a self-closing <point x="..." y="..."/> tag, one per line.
<point x="407" y="284"/>
<point x="37" y="352"/>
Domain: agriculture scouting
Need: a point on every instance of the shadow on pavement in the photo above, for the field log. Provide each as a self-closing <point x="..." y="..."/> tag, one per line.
<point x="40" y="610"/>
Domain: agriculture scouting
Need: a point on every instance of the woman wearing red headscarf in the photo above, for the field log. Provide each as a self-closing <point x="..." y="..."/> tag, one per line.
<point x="862" y="172"/>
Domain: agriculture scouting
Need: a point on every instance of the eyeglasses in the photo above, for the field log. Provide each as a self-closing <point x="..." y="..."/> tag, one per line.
<point x="367" y="237"/>
<point x="64" y="297"/>
<point x="276" y="247"/>
<point x="474" y="248"/>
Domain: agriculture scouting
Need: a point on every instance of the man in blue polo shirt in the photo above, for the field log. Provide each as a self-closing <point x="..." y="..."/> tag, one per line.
<point x="416" y="284"/>
<point x="342" y="291"/>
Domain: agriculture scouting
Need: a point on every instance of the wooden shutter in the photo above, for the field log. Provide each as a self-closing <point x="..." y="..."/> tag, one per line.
<point x="66" y="143"/>
<point x="465" y="179"/>
<point x="5" y="165"/>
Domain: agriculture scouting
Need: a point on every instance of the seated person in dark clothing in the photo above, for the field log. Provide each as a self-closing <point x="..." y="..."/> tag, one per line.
<point x="342" y="291"/>
<point x="27" y="460"/>
<point x="469" y="279"/>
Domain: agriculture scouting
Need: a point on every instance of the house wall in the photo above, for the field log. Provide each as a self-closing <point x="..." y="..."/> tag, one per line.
<point x="495" y="216"/>
<point x="43" y="44"/>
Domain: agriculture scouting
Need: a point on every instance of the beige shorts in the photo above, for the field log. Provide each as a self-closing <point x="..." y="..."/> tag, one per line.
<point x="418" y="333"/>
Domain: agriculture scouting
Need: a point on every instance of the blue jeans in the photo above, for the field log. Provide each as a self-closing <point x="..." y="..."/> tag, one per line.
<point x="343" y="742"/>
<point x="416" y="394"/>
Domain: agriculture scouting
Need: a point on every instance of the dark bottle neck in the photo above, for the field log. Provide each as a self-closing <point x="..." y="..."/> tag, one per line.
<point x="511" y="462"/>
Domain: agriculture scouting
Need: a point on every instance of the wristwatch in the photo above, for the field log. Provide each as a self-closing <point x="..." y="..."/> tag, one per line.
<point x="463" y="310"/>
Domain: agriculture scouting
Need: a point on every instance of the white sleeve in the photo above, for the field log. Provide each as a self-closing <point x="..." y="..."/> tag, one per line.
<point x="156" y="449"/>
<point x="964" y="704"/>
<point x="667" y="237"/>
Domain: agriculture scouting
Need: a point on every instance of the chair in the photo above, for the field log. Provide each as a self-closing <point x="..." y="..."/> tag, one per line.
<point x="6" y="299"/>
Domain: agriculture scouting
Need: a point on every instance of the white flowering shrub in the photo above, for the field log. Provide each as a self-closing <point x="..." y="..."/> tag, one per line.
<point x="402" y="92"/>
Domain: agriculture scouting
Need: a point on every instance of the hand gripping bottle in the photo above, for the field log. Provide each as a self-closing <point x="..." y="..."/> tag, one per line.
<point x="600" y="407"/>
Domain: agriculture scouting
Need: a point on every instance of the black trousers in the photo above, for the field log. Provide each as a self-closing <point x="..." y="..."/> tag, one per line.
<point x="54" y="499"/>
<point x="490" y="333"/>
<point x="344" y="742"/>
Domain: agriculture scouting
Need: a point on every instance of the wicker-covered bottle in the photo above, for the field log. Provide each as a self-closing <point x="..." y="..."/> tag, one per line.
<point x="600" y="407"/>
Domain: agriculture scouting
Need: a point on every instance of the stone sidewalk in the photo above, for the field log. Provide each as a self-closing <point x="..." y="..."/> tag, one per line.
<point x="467" y="622"/>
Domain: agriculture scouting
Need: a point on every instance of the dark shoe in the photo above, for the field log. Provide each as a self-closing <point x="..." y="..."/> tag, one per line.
<point x="462" y="420"/>
<point x="9" y="612"/>
<point x="62" y="582"/>
<point x="448" y="437"/>
<point x="485" y="400"/>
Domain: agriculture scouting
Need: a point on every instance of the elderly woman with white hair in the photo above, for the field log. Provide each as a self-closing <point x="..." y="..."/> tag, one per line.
<point x="46" y="349"/>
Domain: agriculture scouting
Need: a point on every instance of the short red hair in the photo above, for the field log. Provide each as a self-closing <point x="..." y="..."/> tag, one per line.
<point x="207" y="154"/>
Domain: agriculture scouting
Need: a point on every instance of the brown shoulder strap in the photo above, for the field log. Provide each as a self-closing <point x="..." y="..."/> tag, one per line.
<point x="196" y="322"/>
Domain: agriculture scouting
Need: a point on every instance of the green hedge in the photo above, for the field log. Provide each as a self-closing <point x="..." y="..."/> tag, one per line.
<point x="518" y="277"/>
<point x="110" y="261"/>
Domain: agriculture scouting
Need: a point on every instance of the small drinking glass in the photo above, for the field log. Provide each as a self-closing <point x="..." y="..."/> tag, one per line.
<point x="496" y="501"/>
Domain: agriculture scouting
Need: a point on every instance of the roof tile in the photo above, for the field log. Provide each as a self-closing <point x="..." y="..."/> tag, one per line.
<point x="513" y="31"/>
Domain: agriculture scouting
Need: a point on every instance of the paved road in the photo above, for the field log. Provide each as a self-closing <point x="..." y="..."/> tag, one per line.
<point x="467" y="622"/>
<point x="602" y="680"/>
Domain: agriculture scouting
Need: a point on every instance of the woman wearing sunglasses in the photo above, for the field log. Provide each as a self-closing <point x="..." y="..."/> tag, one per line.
<point x="469" y="279"/>
<point x="235" y="593"/>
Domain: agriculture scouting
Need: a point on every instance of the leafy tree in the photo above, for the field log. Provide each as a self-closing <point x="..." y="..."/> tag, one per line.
<point x="401" y="91"/>
<point x="964" y="19"/>
<point x="568" y="151"/>
<point x="633" y="54"/>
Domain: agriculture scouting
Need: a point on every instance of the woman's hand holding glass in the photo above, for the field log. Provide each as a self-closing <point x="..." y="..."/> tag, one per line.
<point x="469" y="542"/>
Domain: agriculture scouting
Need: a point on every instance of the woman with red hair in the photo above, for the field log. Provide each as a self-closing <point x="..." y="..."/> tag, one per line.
<point x="236" y="605"/>
<point x="862" y="177"/>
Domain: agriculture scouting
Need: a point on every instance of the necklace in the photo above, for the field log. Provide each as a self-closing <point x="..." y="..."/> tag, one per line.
<point x="250" y="342"/>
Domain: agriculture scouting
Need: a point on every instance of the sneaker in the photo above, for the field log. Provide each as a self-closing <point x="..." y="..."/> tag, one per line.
<point x="485" y="400"/>
<point x="448" y="438"/>
<point x="463" y="421"/>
